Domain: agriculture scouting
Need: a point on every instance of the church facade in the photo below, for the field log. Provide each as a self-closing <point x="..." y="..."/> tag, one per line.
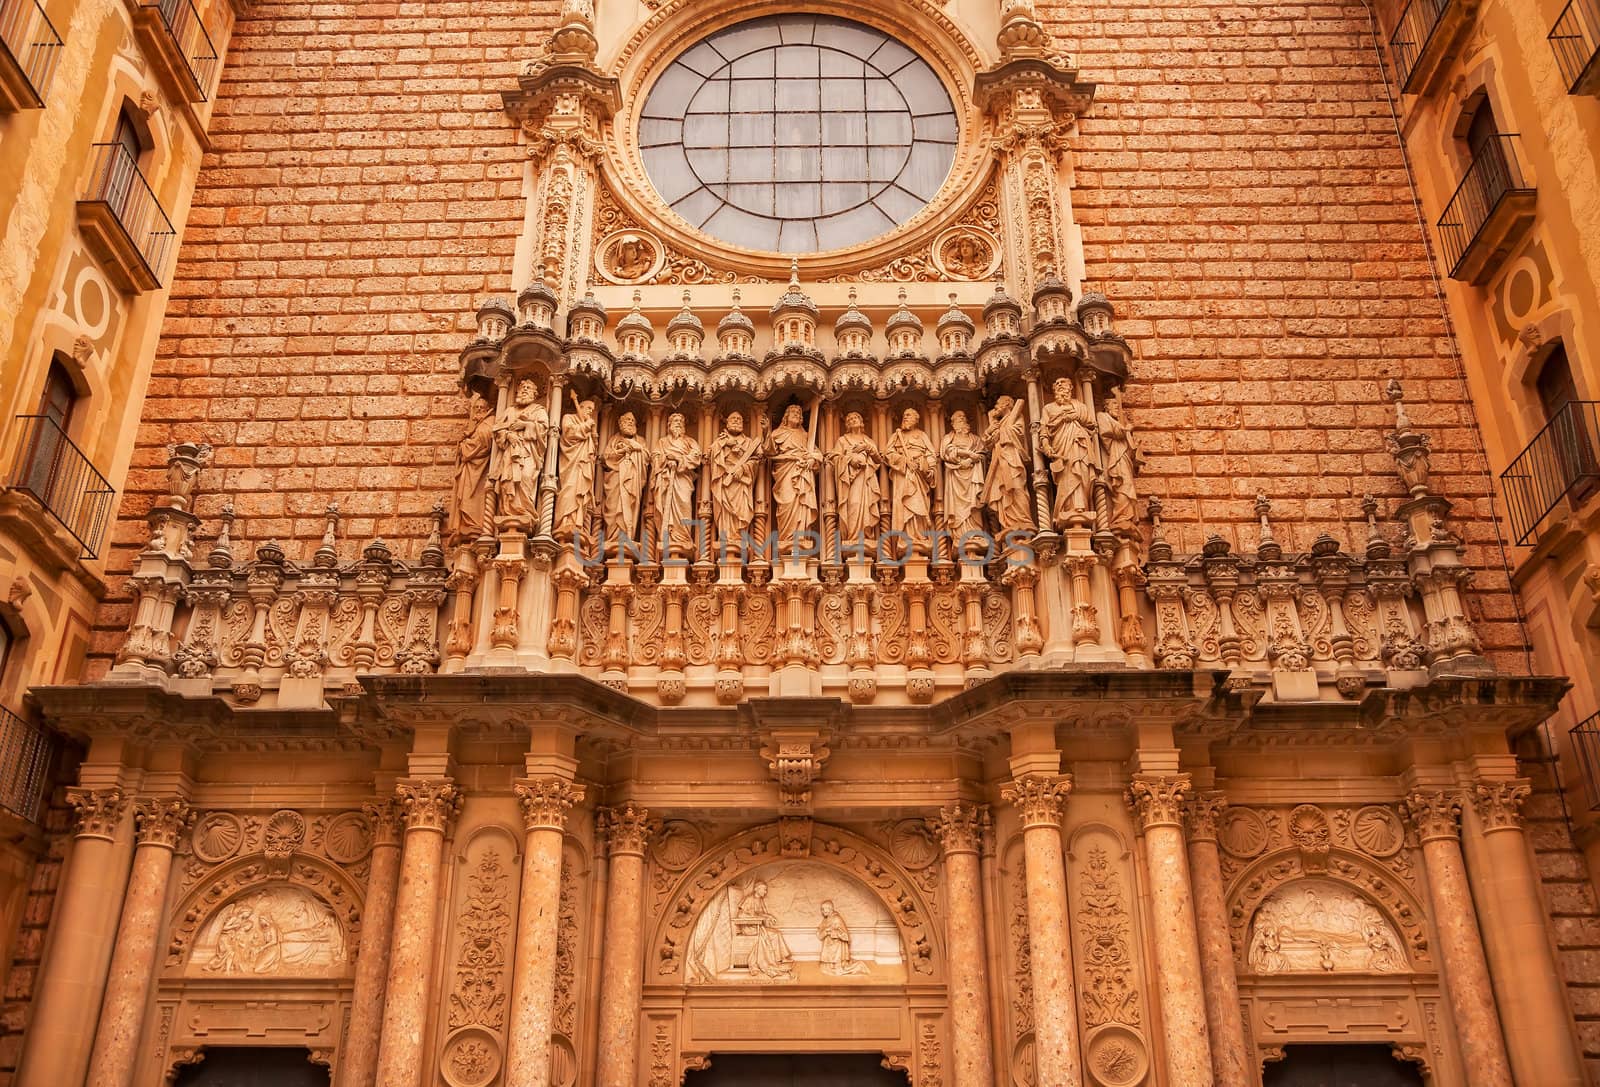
<point x="919" y="544"/>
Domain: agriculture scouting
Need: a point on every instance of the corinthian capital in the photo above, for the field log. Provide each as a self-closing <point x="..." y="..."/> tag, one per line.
<point x="387" y="819"/>
<point x="161" y="820"/>
<point x="626" y="828"/>
<point x="1039" y="797"/>
<point x="97" y="812"/>
<point x="1499" y="803"/>
<point x="1157" y="799"/>
<point x="960" y="827"/>
<point x="1203" y="812"/>
<point x="428" y="803"/>
<point x="546" y="801"/>
<point x="1435" y="813"/>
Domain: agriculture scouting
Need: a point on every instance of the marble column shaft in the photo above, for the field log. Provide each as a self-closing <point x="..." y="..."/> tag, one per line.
<point x="1466" y="974"/>
<point x="627" y="828"/>
<point x="1230" y="1056"/>
<point x="1157" y="802"/>
<point x="429" y="805"/>
<point x="56" y="1046"/>
<point x="960" y="827"/>
<point x="159" y="823"/>
<point x="545" y="803"/>
<point x="1040" y="798"/>
<point x="358" y="1059"/>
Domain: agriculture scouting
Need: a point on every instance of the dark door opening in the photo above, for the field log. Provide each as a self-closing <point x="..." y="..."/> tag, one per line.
<point x="1340" y="1066"/>
<point x="796" y="1070"/>
<point x="254" y="1066"/>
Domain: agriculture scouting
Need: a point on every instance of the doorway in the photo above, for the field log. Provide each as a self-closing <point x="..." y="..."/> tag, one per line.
<point x="1340" y="1066"/>
<point x="254" y="1066"/>
<point x="796" y="1070"/>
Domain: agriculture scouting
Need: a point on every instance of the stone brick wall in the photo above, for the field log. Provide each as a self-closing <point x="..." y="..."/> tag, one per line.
<point x="1240" y="185"/>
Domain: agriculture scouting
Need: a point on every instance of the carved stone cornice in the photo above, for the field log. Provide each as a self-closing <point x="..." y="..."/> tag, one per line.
<point x="626" y="829"/>
<point x="388" y="822"/>
<point x="1040" y="798"/>
<point x="1499" y="803"/>
<point x="1435" y="813"/>
<point x="1203" y="810"/>
<point x="546" y="801"/>
<point x="1157" y="800"/>
<point x="960" y="827"/>
<point x="161" y="820"/>
<point x="428" y="803"/>
<point x="96" y="812"/>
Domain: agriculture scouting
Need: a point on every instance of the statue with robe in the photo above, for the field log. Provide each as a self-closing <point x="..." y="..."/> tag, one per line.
<point x="834" y="937"/>
<point x="855" y="460"/>
<point x="1116" y="444"/>
<point x="795" y="461"/>
<point x="1005" y="487"/>
<point x="673" y="466"/>
<point x="963" y="455"/>
<point x="576" y="452"/>
<point x="521" y="436"/>
<point x="733" y="475"/>
<point x="627" y="461"/>
<point x="470" y="493"/>
<point x="913" y="463"/>
<point x="1064" y="438"/>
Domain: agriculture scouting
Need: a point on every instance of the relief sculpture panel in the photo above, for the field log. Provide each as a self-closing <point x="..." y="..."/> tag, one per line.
<point x="276" y="930"/>
<point x="1314" y="926"/>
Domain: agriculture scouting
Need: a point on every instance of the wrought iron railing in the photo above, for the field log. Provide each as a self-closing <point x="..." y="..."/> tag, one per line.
<point x="1563" y="458"/>
<point x="1493" y="176"/>
<point x="25" y="751"/>
<point x="28" y="35"/>
<point x="1576" y="39"/>
<point x="1586" y="741"/>
<point x="118" y="183"/>
<point x="1411" y="35"/>
<point x="184" y="25"/>
<point x="55" y="471"/>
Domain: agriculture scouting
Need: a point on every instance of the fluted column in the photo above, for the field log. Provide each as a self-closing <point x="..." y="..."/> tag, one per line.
<point x="1230" y="1057"/>
<point x="627" y="828"/>
<point x="56" y="1046"/>
<point x="428" y="806"/>
<point x="960" y="827"/>
<point x="1466" y="976"/>
<point x="1157" y="802"/>
<point x="1039" y="798"/>
<point x="358" y="1059"/>
<point x="1533" y="999"/>
<point x="545" y="803"/>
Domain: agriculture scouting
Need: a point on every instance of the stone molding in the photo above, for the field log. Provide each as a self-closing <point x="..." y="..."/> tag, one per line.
<point x="97" y="812"/>
<point x="1435" y="813"/>
<point x="545" y="802"/>
<point x="1040" y="798"/>
<point x="1499" y="803"/>
<point x="1158" y="800"/>
<point x="960" y="827"/>
<point x="160" y="821"/>
<point x="428" y="803"/>
<point x="626" y="828"/>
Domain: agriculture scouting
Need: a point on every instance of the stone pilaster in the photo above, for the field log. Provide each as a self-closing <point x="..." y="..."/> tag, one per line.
<point x="358" y="1060"/>
<point x="1435" y="814"/>
<point x="627" y="829"/>
<point x="1230" y="1058"/>
<point x="960" y="828"/>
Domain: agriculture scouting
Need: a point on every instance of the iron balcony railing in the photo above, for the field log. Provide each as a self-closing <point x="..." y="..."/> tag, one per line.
<point x="1576" y="41"/>
<point x="55" y="471"/>
<point x="118" y="183"/>
<point x="28" y="35"/>
<point x="1563" y="459"/>
<point x="1586" y="739"/>
<point x="1493" y="176"/>
<point x="25" y="751"/>
<point x="1411" y="35"/>
<point x="188" y="31"/>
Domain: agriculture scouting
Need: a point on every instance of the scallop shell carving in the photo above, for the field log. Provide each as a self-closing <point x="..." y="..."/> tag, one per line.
<point x="217" y="837"/>
<point x="284" y="833"/>
<point x="677" y="845"/>
<point x="348" y="838"/>
<point x="1377" y="831"/>
<point x="1308" y="828"/>
<point x="912" y="844"/>
<point x="1243" y="833"/>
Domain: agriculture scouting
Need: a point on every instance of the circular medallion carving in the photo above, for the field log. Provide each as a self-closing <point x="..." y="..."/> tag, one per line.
<point x="1308" y="828"/>
<point x="217" y="837"/>
<point x="348" y="838"/>
<point x="1024" y="1069"/>
<point x="471" y="1059"/>
<point x="677" y="845"/>
<point x="1116" y="1057"/>
<point x="966" y="252"/>
<point x="1243" y="832"/>
<point x="1377" y="830"/>
<point x="629" y="256"/>
<point x="912" y="844"/>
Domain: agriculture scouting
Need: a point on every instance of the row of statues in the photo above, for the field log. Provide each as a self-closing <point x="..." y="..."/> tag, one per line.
<point x="968" y="485"/>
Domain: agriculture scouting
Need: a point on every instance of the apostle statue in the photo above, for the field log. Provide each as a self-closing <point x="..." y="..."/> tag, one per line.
<point x="575" y="493"/>
<point x="1005" y="488"/>
<point x="913" y="463"/>
<point x="1116" y="444"/>
<point x="469" y="496"/>
<point x="733" y="475"/>
<point x="962" y="454"/>
<point x="1064" y="437"/>
<point x="520" y="438"/>
<point x="855" y="461"/>
<point x="627" y="460"/>
<point x="834" y="936"/>
<point x="795" y="461"/>
<point x="673" y="466"/>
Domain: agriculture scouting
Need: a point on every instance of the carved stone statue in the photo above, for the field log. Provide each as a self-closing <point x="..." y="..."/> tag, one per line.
<point x="912" y="464"/>
<point x="1116" y="443"/>
<point x="963" y="455"/>
<point x="770" y="956"/>
<point x="733" y="474"/>
<point x="834" y="936"/>
<point x="469" y="495"/>
<point x="673" y="465"/>
<point x="631" y="257"/>
<point x="855" y="461"/>
<point x="795" y="461"/>
<point x="627" y="460"/>
<point x="1005" y="488"/>
<point x="1064" y="435"/>
<point x="520" y="439"/>
<point x="575" y="493"/>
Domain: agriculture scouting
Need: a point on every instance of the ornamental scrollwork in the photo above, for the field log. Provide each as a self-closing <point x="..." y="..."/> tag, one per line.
<point x="1039" y="798"/>
<point x="1499" y="803"/>
<point x="546" y="801"/>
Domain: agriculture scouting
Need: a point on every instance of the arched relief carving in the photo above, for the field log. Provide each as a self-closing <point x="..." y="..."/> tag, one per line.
<point x="734" y="859"/>
<point x="1314" y="925"/>
<point x="482" y="936"/>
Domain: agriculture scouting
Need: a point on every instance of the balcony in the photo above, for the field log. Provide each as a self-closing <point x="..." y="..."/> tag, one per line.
<point x="172" y="35"/>
<point x="1564" y="459"/>
<point x="1425" y="37"/>
<point x="1586" y="742"/>
<point x="1576" y="41"/>
<point x="29" y="49"/>
<point x="123" y="223"/>
<point x="1490" y="212"/>
<point x="54" y="471"/>
<point x="25" y="751"/>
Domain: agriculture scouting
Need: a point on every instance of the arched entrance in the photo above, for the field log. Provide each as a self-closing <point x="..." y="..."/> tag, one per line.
<point x="254" y="1066"/>
<point x="1340" y="1066"/>
<point x="796" y="1070"/>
